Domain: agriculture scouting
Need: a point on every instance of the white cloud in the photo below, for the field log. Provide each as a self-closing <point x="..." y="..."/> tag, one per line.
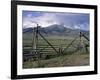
<point x="68" y="20"/>
<point x="29" y="15"/>
<point x="44" y="20"/>
<point x="77" y="27"/>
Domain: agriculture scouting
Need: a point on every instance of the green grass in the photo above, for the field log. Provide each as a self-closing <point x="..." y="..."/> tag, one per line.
<point x="69" y="58"/>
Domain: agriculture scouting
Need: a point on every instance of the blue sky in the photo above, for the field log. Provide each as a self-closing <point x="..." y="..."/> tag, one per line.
<point x="45" y="19"/>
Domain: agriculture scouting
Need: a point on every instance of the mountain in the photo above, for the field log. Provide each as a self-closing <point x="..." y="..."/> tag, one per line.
<point x="27" y="30"/>
<point x="55" y="29"/>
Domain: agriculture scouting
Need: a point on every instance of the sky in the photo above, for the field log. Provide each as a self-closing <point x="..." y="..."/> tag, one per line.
<point x="45" y="19"/>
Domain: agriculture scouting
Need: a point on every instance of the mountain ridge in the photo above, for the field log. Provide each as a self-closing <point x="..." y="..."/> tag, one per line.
<point x="59" y="30"/>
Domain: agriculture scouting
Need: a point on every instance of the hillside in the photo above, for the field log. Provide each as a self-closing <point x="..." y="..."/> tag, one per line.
<point x="56" y="30"/>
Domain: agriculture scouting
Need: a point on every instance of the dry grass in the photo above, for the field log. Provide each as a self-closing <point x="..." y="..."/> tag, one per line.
<point x="75" y="59"/>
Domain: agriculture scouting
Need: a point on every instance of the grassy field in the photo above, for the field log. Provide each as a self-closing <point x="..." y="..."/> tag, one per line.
<point x="72" y="56"/>
<point x="75" y="59"/>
